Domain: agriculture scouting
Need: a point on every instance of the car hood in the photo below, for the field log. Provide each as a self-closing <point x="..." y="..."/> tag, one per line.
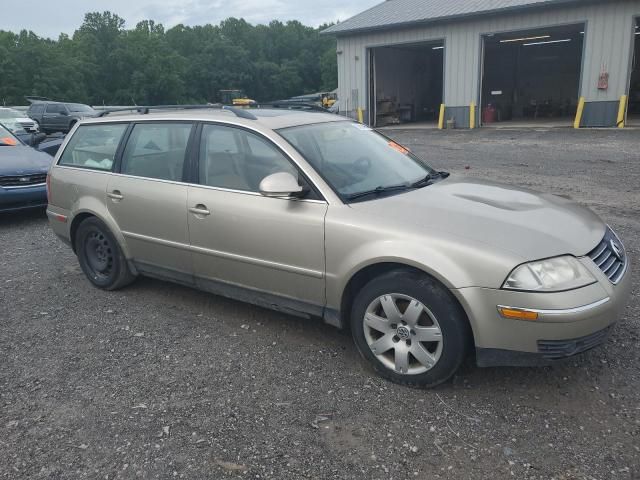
<point x="523" y="222"/>
<point x="23" y="160"/>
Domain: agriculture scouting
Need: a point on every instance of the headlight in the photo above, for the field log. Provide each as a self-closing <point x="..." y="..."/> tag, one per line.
<point x="552" y="275"/>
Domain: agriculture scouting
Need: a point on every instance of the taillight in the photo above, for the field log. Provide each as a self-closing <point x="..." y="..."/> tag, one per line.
<point x="48" y="187"/>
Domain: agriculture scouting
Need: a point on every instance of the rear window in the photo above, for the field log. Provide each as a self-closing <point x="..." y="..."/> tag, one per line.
<point x="93" y="146"/>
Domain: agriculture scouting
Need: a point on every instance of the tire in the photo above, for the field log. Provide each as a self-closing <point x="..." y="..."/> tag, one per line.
<point x="100" y="256"/>
<point x="404" y="312"/>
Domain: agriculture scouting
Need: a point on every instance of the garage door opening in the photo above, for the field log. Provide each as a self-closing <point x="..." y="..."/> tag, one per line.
<point x="406" y="84"/>
<point x="532" y="78"/>
<point x="633" y="116"/>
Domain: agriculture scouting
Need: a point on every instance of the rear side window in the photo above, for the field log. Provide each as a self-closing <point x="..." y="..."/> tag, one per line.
<point x="56" y="108"/>
<point x="157" y="150"/>
<point x="36" y="109"/>
<point x="93" y="146"/>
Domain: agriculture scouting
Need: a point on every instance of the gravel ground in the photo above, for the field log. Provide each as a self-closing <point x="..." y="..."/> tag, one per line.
<point x="159" y="381"/>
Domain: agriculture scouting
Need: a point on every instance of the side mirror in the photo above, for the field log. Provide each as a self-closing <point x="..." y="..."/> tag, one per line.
<point x="281" y="184"/>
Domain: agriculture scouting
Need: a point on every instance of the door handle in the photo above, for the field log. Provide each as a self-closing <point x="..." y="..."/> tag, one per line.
<point x="200" y="210"/>
<point x="115" y="195"/>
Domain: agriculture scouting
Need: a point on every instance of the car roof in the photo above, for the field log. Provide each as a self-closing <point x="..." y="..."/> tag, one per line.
<point x="273" y="119"/>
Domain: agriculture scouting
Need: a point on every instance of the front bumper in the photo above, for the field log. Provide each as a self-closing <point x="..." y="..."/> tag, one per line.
<point x="569" y="323"/>
<point x="14" y="199"/>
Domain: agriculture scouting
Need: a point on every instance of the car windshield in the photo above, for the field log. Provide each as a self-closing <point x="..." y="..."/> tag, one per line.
<point x="7" y="139"/>
<point x="354" y="159"/>
<point x="77" y="107"/>
<point x="10" y="113"/>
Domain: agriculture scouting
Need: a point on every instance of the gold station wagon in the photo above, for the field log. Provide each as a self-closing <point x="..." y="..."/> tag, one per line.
<point x="315" y="215"/>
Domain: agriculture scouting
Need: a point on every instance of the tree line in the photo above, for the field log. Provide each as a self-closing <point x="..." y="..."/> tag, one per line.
<point x="105" y="63"/>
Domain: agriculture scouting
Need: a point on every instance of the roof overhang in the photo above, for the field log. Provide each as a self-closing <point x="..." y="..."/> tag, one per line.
<point x="334" y="30"/>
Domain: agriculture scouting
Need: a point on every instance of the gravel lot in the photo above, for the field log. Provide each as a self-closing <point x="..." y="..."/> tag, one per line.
<point x="159" y="381"/>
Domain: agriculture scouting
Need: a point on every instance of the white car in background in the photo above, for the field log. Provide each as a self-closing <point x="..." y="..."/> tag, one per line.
<point x="17" y="121"/>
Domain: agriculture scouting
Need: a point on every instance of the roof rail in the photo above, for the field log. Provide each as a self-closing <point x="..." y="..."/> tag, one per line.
<point x="144" y="110"/>
<point x="291" y="105"/>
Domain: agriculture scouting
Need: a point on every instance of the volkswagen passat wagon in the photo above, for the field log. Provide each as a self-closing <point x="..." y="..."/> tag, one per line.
<point x="314" y="215"/>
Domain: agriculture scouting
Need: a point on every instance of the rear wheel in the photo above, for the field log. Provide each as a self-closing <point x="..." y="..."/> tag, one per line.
<point x="100" y="256"/>
<point x="410" y="328"/>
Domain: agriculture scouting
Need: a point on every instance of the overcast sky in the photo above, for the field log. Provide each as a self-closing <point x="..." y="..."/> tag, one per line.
<point x="51" y="17"/>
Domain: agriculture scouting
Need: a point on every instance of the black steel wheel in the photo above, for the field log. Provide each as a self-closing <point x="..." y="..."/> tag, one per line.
<point x="100" y="256"/>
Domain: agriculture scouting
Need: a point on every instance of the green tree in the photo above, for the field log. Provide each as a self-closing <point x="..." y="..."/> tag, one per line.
<point x="105" y="63"/>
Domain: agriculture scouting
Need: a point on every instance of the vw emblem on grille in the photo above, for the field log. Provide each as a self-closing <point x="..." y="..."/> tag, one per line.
<point x="24" y="179"/>
<point x="617" y="250"/>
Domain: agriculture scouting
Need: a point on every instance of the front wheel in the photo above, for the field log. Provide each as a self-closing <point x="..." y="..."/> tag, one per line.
<point x="100" y="256"/>
<point x="410" y="328"/>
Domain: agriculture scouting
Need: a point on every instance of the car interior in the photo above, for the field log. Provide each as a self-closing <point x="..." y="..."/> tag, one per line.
<point x="157" y="151"/>
<point x="238" y="160"/>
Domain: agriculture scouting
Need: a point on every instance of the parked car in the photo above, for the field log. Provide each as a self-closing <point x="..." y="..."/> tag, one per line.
<point x="57" y="116"/>
<point x="311" y="214"/>
<point x="17" y="121"/>
<point x="23" y="173"/>
<point x="51" y="145"/>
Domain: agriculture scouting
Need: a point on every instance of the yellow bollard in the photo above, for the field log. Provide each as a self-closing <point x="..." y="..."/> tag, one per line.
<point x="441" y="119"/>
<point x="579" y="113"/>
<point x="472" y="115"/>
<point x="622" y="110"/>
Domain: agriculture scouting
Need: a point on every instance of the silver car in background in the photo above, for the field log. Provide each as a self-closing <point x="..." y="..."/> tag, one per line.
<point x="17" y="121"/>
<point x="314" y="215"/>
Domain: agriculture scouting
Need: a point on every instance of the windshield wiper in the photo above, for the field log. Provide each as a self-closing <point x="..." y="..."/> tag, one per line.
<point x="423" y="182"/>
<point x="379" y="190"/>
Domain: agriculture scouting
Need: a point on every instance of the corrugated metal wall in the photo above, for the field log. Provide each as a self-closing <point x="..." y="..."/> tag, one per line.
<point x="608" y="43"/>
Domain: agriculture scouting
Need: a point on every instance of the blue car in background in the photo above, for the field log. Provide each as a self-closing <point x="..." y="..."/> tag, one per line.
<point x="23" y="174"/>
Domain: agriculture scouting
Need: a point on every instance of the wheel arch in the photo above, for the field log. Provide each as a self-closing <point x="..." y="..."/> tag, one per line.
<point x="365" y="274"/>
<point x="81" y="216"/>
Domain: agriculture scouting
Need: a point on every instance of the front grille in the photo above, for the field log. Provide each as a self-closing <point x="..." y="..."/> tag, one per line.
<point x="558" y="349"/>
<point x="23" y="180"/>
<point x="28" y="125"/>
<point x="610" y="257"/>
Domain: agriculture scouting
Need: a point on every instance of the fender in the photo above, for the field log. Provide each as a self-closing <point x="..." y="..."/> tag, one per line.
<point x="444" y="262"/>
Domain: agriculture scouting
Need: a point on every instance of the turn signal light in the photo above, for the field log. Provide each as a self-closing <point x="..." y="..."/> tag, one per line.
<point x="517" y="314"/>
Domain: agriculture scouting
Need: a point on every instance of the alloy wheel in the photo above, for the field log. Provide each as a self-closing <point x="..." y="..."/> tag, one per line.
<point x="403" y="334"/>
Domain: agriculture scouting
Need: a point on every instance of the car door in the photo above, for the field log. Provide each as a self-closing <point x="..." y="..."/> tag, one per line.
<point x="147" y="198"/>
<point x="55" y="117"/>
<point x="268" y="251"/>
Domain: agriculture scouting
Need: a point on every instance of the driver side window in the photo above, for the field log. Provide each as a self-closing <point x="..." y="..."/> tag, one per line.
<point x="237" y="159"/>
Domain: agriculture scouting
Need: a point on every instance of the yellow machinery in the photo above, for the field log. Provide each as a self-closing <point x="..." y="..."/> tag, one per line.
<point x="329" y="99"/>
<point x="235" y="97"/>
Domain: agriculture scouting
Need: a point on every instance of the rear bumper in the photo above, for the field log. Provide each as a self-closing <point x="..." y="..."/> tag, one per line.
<point x="15" y="199"/>
<point x="569" y="323"/>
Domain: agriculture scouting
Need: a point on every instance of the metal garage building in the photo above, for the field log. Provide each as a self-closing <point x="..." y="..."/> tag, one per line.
<point x="466" y="63"/>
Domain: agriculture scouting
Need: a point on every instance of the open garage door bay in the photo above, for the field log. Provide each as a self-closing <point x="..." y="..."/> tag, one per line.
<point x="532" y="78"/>
<point x="405" y="84"/>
